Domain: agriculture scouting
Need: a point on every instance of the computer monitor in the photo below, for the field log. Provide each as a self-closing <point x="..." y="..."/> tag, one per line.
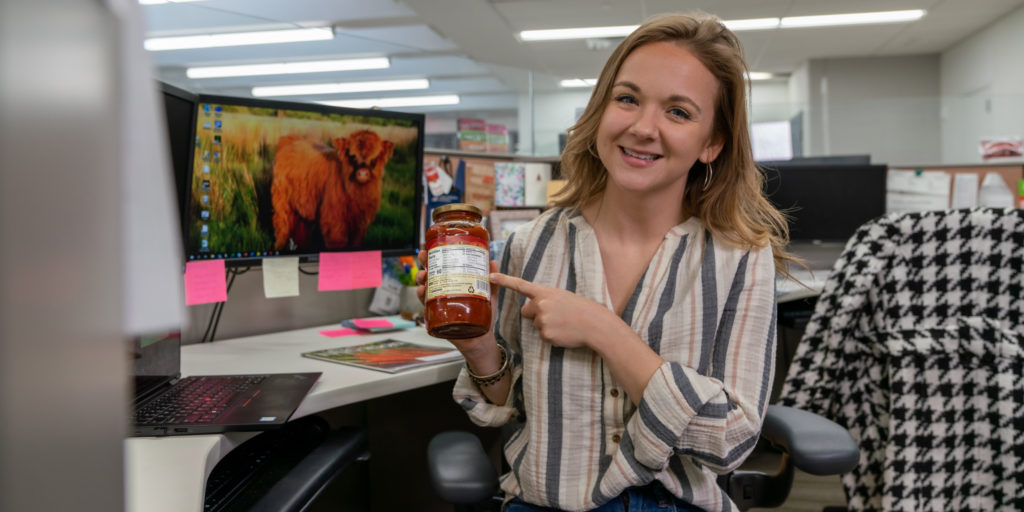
<point x="179" y="111"/>
<point x="826" y="203"/>
<point x="271" y="178"/>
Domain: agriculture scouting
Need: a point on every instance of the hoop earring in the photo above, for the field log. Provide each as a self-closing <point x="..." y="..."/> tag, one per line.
<point x="707" y="177"/>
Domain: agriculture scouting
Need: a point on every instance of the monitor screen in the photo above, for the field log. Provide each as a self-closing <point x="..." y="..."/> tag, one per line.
<point x="826" y="203"/>
<point x="273" y="178"/>
<point x="179" y="111"/>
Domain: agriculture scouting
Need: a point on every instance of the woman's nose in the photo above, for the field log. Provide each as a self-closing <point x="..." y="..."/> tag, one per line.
<point x="644" y="125"/>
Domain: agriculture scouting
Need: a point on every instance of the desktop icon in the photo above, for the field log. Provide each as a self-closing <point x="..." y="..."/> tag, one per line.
<point x="206" y="199"/>
<point x="206" y="185"/>
<point x="206" y="126"/>
<point x="216" y="156"/>
<point x="204" y="230"/>
<point x="218" y="109"/>
<point x="206" y="156"/>
<point x="217" y="124"/>
<point x="206" y="108"/>
<point x="204" y="245"/>
<point x="206" y="168"/>
<point x="216" y="139"/>
<point x="205" y="214"/>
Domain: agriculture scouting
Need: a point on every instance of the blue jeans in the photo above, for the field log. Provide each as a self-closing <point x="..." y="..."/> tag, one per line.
<point x="652" y="497"/>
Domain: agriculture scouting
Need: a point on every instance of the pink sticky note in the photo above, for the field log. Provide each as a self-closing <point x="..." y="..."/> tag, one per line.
<point x="372" y="323"/>
<point x="349" y="270"/>
<point x="205" y="282"/>
<point x="334" y="333"/>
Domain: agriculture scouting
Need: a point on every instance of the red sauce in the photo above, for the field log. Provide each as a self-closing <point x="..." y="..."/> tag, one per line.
<point x="457" y="303"/>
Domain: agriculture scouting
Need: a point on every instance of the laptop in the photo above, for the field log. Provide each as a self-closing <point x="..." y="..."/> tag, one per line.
<point x="167" y="404"/>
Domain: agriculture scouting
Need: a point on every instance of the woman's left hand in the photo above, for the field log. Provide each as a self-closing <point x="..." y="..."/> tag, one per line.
<point x="562" y="318"/>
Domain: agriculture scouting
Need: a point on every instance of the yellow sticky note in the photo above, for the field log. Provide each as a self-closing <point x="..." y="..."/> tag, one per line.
<point x="280" y="277"/>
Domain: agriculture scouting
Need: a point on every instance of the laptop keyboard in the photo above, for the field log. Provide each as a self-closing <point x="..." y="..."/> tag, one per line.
<point x="196" y="400"/>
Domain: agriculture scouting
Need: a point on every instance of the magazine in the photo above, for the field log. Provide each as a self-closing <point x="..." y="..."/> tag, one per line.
<point x="390" y="356"/>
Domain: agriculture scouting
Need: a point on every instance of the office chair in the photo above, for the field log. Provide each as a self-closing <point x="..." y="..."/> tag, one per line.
<point x="915" y="346"/>
<point x="462" y="474"/>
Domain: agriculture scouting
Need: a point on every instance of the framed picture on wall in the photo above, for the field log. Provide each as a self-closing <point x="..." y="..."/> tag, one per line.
<point x="501" y="223"/>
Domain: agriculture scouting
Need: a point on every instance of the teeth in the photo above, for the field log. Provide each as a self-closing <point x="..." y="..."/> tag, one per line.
<point x="638" y="155"/>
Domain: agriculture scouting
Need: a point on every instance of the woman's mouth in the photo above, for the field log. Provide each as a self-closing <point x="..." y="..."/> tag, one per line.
<point x="650" y="157"/>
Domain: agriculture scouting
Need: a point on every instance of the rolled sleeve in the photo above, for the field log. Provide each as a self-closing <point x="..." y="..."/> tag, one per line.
<point x="481" y="412"/>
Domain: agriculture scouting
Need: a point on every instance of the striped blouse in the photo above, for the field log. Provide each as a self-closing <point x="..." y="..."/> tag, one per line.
<point x="708" y="308"/>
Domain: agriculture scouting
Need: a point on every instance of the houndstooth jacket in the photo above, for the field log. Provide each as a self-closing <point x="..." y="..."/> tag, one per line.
<point x="915" y="346"/>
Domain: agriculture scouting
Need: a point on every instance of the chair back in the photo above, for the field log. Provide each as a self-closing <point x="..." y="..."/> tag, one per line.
<point x="915" y="346"/>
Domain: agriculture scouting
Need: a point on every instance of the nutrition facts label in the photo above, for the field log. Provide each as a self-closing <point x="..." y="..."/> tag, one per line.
<point x="457" y="270"/>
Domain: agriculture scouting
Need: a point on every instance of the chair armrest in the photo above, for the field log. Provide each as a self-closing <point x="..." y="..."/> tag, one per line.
<point x="815" y="444"/>
<point x="305" y="481"/>
<point x="460" y="470"/>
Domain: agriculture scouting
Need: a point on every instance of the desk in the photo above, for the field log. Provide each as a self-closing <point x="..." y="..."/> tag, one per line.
<point x="169" y="473"/>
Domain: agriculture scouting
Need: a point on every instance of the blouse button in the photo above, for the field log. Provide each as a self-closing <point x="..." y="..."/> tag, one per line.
<point x="616" y="438"/>
<point x="614" y="392"/>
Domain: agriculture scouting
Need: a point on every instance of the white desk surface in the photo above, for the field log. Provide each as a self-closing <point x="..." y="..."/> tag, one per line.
<point x="809" y="285"/>
<point x="169" y="473"/>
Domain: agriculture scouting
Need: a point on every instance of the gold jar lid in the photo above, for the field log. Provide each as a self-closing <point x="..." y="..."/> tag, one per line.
<point x="455" y="207"/>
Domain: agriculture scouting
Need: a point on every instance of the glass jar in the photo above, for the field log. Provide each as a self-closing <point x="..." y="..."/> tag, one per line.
<point x="457" y="301"/>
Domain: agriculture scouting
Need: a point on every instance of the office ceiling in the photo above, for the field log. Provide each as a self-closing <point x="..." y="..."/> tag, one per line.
<point x="469" y="47"/>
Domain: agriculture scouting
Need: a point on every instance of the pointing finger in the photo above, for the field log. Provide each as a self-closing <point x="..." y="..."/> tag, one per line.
<point x="521" y="286"/>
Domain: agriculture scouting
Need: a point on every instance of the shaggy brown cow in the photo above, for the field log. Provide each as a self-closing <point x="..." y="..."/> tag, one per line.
<point x="335" y="191"/>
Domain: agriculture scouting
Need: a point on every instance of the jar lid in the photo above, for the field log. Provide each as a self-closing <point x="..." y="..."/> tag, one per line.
<point x="455" y="207"/>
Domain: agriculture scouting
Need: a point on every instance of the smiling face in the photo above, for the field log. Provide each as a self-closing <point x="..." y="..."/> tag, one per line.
<point x="658" y="121"/>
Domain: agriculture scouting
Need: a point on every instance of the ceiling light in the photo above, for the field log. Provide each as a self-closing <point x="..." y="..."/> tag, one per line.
<point x="239" y="39"/>
<point x="859" y="18"/>
<point x="751" y="24"/>
<point x="759" y="75"/>
<point x="576" y="33"/>
<point x="578" y="82"/>
<point x="410" y="101"/>
<point x="734" y="25"/>
<point x="287" y="68"/>
<point x="340" y="88"/>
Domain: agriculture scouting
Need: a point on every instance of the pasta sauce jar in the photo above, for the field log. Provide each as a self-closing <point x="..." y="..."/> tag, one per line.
<point x="457" y="304"/>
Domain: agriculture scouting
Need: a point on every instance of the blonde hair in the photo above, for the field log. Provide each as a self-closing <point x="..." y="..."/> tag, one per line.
<point x="733" y="206"/>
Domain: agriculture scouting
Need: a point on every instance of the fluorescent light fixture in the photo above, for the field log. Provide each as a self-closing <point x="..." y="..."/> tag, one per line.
<point x="735" y="25"/>
<point x="410" y="101"/>
<point x="340" y="88"/>
<point x="759" y="75"/>
<point x="578" y="82"/>
<point x="860" y="18"/>
<point x="751" y="24"/>
<point x="287" y="68"/>
<point x="157" y="2"/>
<point x="239" y="39"/>
<point x="576" y="33"/>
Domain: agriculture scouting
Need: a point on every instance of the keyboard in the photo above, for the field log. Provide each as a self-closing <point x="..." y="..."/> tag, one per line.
<point x="196" y="400"/>
<point x="242" y="477"/>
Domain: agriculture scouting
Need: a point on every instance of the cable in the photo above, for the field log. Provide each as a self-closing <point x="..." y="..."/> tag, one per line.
<point x="218" y="309"/>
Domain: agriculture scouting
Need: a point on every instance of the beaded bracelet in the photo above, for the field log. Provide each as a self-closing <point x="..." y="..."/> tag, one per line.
<point x="487" y="380"/>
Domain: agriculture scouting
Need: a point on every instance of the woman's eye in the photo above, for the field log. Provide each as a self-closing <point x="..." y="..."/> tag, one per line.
<point x="626" y="98"/>
<point x="680" y="113"/>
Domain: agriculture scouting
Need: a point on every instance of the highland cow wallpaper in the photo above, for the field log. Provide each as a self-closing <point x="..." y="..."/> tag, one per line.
<point x="276" y="181"/>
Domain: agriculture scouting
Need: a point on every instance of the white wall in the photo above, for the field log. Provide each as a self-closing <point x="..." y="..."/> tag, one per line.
<point x="553" y="114"/>
<point x="887" y="107"/>
<point x="983" y="88"/>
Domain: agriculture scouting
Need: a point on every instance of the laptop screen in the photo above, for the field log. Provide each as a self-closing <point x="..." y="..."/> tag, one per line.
<point x="156" y="359"/>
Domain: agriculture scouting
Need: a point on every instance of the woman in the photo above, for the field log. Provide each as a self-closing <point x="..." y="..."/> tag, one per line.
<point x="635" y="321"/>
